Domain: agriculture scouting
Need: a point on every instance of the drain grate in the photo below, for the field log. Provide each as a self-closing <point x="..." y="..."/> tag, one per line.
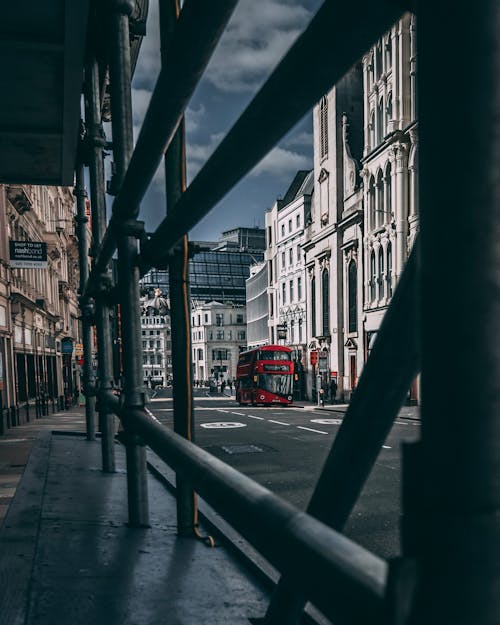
<point x="242" y="449"/>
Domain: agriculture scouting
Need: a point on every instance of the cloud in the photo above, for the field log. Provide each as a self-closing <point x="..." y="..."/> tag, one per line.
<point x="304" y="139"/>
<point x="257" y="37"/>
<point x="194" y="117"/>
<point x="198" y="153"/>
<point x="281" y="162"/>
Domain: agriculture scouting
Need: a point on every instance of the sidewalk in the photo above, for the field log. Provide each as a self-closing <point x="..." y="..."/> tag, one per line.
<point x="68" y="556"/>
<point x="17" y="443"/>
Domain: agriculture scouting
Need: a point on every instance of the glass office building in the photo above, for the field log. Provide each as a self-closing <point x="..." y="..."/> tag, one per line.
<point x="218" y="272"/>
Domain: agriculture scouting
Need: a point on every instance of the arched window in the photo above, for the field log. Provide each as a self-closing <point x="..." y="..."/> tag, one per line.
<point x="323" y="127"/>
<point x="389" y="269"/>
<point x="381" y="273"/>
<point x="372" y="277"/>
<point x="388" y="193"/>
<point x="372" y="130"/>
<point x="325" y="291"/>
<point x="388" y="54"/>
<point x="380" y="130"/>
<point x="313" y="306"/>
<point x="388" y="112"/>
<point x="379" y="203"/>
<point x="352" y="285"/>
<point x="371" y="202"/>
<point x="378" y="60"/>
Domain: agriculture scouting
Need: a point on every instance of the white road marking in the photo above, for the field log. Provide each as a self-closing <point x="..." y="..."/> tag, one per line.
<point x="222" y="425"/>
<point x="327" y="421"/>
<point x="254" y="417"/>
<point x="386" y="447"/>
<point x="163" y="409"/>
<point x="301" y="427"/>
<point x="278" y="422"/>
<point x="240" y="414"/>
<point x="151" y="415"/>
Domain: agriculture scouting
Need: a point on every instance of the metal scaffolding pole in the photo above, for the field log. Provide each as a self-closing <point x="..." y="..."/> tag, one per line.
<point x="128" y="271"/>
<point x="455" y="504"/>
<point x="83" y="255"/>
<point x="175" y="183"/>
<point x="96" y="140"/>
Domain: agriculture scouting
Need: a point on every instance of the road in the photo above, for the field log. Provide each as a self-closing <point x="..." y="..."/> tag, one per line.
<point x="284" y="449"/>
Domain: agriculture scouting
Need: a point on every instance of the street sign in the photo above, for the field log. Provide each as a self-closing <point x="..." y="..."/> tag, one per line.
<point x="28" y="254"/>
<point x="281" y="331"/>
<point x="67" y="345"/>
<point x="78" y="349"/>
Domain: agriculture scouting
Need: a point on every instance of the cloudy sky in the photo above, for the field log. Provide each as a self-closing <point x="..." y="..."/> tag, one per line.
<point x="258" y="35"/>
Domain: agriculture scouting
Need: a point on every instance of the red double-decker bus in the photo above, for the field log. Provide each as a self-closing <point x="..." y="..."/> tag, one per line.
<point x="265" y="376"/>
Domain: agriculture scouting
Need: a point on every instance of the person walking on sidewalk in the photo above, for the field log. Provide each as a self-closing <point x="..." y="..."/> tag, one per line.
<point x="333" y="390"/>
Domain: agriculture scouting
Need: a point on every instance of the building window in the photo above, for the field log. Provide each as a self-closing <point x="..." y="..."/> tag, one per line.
<point x="200" y="354"/>
<point x="282" y="260"/>
<point x="323" y="127"/>
<point x="290" y="256"/>
<point x="292" y="331"/>
<point x="298" y="253"/>
<point x="380" y="131"/>
<point x="239" y="318"/>
<point x="300" y="331"/>
<point x="299" y="288"/>
<point x="378" y="60"/>
<point x="372" y="277"/>
<point x="241" y="335"/>
<point x="388" y="193"/>
<point x="313" y="306"/>
<point x="291" y="291"/>
<point x="352" y="278"/>
<point x="158" y="344"/>
<point x="381" y="272"/>
<point x="206" y="318"/>
<point x="297" y="221"/>
<point x="283" y="293"/>
<point x="289" y="225"/>
<point x="282" y="230"/>
<point x="325" y="290"/>
<point x="389" y="269"/>
<point x="220" y="335"/>
<point x="388" y="111"/>
<point x="388" y="54"/>
<point x="379" y="203"/>
<point x="158" y="359"/>
<point x="371" y="202"/>
<point x="371" y="128"/>
<point x="219" y="354"/>
<point x="269" y="236"/>
<point x="219" y="319"/>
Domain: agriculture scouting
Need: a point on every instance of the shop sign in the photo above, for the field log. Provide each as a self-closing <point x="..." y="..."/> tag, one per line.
<point x="67" y="345"/>
<point x="323" y="362"/>
<point x="281" y="331"/>
<point x="314" y="357"/>
<point x="78" y="350"/>
<point x="28" y="254"/>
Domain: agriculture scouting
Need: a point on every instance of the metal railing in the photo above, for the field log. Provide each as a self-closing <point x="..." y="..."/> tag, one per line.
<point x="346" y="582"/>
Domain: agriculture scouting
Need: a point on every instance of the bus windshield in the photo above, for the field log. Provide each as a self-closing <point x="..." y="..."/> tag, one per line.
<point x="276" y="383"/>
<point x="274" y="355"/>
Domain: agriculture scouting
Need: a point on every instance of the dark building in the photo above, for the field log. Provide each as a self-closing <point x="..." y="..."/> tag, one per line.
<point x="218" y="271"/>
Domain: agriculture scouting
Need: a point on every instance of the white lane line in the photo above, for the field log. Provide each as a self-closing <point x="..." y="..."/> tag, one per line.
<point x="152" y="415"/>
<point x="240" y="414"/>
<point x="401" y="422"/>
<point x="163" y="409"/>
<point x="278" y="422"/>
<point x="301" y="427"/>
<point x="386" y="447"/>
<point x="253" y="417"/>
<point x="222" y="410"/>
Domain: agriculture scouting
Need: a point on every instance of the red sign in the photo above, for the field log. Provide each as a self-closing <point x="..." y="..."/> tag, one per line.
<point x="314" y="357"/>
<point x="333" y="374"/>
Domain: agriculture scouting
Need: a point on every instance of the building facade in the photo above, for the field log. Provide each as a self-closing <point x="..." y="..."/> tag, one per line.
<point x="257" y="306"/>
<point x="40" y="344"/>
<point x="285" y="226"/>
<point x="218" y="334"/>
<point x="364" y="216"/>
<point x="156" y="341"/>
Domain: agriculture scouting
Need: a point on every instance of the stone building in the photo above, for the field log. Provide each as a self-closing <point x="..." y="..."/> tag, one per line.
<point x="156" y="340"/>
<point x="39" y="318"/>
<point x="364" y="217"/>
<point x="257" y="306"/>
<point x="218" y="335"/>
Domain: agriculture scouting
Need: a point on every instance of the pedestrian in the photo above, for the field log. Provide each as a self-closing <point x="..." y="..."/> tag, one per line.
<point x="333" y="390"/>
<point x="222" y="386"/>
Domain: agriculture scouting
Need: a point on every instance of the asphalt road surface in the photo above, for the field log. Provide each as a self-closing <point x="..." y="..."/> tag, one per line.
<point x="284" y="449"/>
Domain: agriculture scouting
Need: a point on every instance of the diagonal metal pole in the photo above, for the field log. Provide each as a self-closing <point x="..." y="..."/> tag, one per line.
<point x="96" y="141"/>
<point x="128" y="271"/>
<point x="383" y="385"/>
<point x="175" y="183"/>
<point x="456" y="520"/>
<point x="83" y="256"/>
